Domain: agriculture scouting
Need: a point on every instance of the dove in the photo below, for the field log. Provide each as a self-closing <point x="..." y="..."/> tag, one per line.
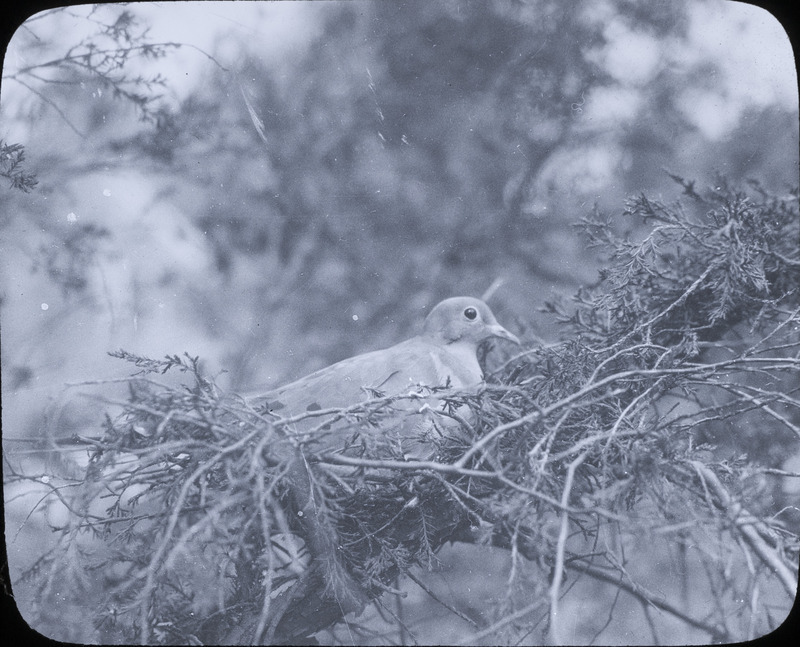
<point x="443" y="354"/>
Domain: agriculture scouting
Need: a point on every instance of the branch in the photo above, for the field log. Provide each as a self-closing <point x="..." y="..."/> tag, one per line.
<point x="751" y="531"/>
<point x="558" y="568"/>
<point x="717" y="633"/>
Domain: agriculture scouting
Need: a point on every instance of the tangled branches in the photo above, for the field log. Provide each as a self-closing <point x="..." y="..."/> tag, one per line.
<point x="663" y="415"/>
<point x="103" y="55"/>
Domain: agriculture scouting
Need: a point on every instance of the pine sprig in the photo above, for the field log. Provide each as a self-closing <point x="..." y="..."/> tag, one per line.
<point x="184" y="364"/>
<point x="12" y="158"/>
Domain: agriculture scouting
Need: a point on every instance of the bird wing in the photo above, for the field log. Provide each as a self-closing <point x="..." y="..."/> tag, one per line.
<point x="391" y="371"/>
<point x="397" y="370"/>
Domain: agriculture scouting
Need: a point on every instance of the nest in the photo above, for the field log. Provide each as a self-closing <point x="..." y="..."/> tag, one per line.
<point x="224" y="526"/>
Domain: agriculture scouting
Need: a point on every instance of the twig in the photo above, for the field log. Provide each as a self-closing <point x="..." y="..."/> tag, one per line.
<point x="561" y="546"/>
<point x="750" y="530"/>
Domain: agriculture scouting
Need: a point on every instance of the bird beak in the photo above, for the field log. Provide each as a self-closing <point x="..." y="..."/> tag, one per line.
<point x="498" y="331"/>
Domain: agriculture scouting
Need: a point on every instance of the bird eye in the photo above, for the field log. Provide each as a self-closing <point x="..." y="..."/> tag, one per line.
<point x="470" y="313"/>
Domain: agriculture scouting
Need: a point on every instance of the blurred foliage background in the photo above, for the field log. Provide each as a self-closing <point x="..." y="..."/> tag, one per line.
<point x="276" y="186"/>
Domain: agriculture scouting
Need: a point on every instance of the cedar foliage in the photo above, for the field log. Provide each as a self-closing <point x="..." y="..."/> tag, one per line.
<point x="664" y="411"/>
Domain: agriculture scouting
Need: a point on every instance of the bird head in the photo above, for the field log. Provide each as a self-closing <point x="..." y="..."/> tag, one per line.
<point x="464" y="319"/>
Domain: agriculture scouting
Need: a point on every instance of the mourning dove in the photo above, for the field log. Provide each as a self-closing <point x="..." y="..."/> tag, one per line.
<point x="444" y="354"/>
